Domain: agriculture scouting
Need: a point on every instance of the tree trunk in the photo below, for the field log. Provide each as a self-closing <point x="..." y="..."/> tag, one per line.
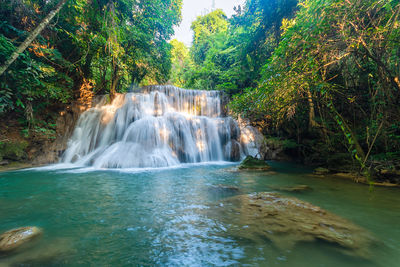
<point x="32" y="36"/>
<point x="311" y="112"/>
<point x="114" y="81"/>
<point x="348" y="130"/>
<point x="394" y="80"/>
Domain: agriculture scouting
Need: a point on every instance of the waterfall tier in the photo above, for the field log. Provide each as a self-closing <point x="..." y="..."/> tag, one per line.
<point x="158" y="127"/>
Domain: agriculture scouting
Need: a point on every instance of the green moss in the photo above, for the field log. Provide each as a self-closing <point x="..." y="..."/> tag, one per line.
<point x="251" y="163"/>
<point x="13" y="150"/>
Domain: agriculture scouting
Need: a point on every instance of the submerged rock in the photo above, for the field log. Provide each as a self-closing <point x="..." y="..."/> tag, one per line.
<point x="296" y="188"/>
<point x="226" y="188"/>
<point x="221" y="190"/>
<point x="13" y="239"/>
<point x="321" y="171"/>
<point x="286" y="221"/>
<point x="54" y="252"/>
<point x="252" y="163"/>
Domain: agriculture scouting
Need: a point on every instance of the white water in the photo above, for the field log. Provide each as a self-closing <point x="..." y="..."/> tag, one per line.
<point x="159" y="127"/>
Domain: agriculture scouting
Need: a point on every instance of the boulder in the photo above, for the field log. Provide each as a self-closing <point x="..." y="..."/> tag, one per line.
<point x="287" y="221"/>
<point x="252" y="163"/>
<point x="15" y="238"/>
<point x="251" y="140"/>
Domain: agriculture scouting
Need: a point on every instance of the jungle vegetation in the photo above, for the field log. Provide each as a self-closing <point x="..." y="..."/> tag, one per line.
<point x="88" y="48"/>
<point x="323" y="74"/>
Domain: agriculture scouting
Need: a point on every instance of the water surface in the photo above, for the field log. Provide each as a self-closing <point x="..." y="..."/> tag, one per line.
<point x="164" y="217"/>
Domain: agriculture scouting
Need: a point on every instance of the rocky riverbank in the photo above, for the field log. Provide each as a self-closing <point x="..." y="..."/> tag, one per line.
<point x="24" y="147"/>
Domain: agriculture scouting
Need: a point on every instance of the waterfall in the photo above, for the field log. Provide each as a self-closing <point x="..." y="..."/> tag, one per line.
<point x="160" y="126"/>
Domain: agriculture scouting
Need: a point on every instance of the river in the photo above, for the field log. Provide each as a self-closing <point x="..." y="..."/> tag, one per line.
<point x="167" y="216"/>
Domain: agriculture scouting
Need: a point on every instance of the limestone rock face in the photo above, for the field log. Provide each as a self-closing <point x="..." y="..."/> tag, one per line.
<point x="286" y="221"/>
<point x="251" y="163"/>
<point x="50" y="151"/>
<point x="232" y="150"/>
<point x="14" y="238"/>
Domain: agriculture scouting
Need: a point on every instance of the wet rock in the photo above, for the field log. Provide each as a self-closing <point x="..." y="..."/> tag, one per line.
<point x="355" y="177"/>
<point x="227" y="188"/>
<point x="287" y="221"/>
<point x="223" y="190"/>
<point x="235" y="151"/>
<point x="350" y="176"/>
<point x="321" y="171"/>
<point x="234" y="129"/>
<point x="55" y="252"/>
<point x="296" y="188"/>
<point x="273" y="149"/>
<point x="15" y="238"/>
<point x="232" y="150"/>
<point x="388" y="176"/>
<point x="251" y="163"/>
<point x="251" y="139"/>
<point x="228" y="129"/>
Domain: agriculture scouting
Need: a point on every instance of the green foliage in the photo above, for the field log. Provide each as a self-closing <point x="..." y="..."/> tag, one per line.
<point x="181" y="63"/>
<point x="228" y="53"/>
<point x="322" y="72"/>
<point x="205" y="28"/>
<point x="338" y="64"/>
<point x="91" y="47"/>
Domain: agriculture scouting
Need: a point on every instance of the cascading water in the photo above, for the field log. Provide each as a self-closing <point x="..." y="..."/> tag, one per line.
<point x="159" y="127"/>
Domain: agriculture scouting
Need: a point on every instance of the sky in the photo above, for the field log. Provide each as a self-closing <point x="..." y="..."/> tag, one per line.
<point x="193" y="8"/>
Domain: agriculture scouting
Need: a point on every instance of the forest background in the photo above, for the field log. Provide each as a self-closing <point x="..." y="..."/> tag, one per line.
<point x="319" y="78"/>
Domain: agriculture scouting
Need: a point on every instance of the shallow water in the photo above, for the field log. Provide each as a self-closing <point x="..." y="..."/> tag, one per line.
<point x="164" y="218"/>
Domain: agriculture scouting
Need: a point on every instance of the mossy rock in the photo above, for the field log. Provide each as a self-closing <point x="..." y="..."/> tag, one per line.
<point x="252" y="163"/>
<point x="13" y="150"/>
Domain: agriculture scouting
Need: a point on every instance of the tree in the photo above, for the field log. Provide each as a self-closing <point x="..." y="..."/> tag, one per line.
<point x="181" y="63"/>
<point x="92" y="47"/>
<point x="32" y="36"/>
<point x="337" y="63"/>
<point x="204" y="28"/>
